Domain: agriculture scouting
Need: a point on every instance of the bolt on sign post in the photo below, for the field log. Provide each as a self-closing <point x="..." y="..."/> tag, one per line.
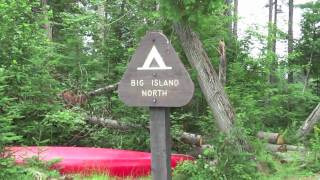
<point x="156" y="78"/>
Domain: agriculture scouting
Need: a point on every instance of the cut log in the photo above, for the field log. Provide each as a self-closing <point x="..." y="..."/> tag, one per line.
<point x="295" y="148"/>
<point x="190" y="138"/>
<point x="309" y="123"/>
<point x="207" y="77"/>
<point x="270" y="137"/>
<point x="291" y="156"/>
<point x="187" y="138"/>
<point x="276" y="148"/>
<point x="105" y="89"/>
<point x="197" y="150"/>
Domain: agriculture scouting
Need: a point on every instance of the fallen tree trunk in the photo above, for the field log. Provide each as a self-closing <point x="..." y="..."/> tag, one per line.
<point x="113" y="124"/>
<point x="284" y="148"/>
<point x="185" y="137"/>
<point x="309" y="123"/>
<point x="190" y="138"/>
<point x="270" y="137"/>
<point x="276" y="147"/>
<point x="105" y="89"/>
<point x="207" y="77"/>
<point x="292" y="156"/>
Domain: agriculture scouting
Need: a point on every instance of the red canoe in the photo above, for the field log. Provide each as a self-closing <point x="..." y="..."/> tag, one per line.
<point x="87" y="160"/>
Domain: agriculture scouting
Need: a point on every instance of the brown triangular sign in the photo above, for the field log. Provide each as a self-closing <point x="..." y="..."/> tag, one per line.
<point x="155" y="76"/>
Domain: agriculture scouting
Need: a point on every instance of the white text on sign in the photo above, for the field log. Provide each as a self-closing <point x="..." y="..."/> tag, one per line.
<point x="155" y="83"/>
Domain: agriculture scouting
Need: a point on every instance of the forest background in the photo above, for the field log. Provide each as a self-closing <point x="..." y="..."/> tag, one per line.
<point x="61" y="60"/>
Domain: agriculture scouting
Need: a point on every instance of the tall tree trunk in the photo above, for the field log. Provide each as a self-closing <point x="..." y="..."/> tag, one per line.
<point x="223" y="63"/>
<point x="270" y="26"/>
<point x="101" y="26"/>
<point x="309" y="123"/>
<point x="47" y="25"/>
<point x="274" y="63"/>
<point x="274" y="43"/>
<point x="306" y="81"/>
<point x="290" y="41"/>
<point x="228" y="13"/>
<point x="235" y="20"/>
<point x="207" y="77"/>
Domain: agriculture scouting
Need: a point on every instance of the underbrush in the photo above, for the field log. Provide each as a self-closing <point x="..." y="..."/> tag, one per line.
<point x="225" y="161"/>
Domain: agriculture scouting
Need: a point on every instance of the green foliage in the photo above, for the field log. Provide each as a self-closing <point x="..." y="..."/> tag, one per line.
<point x="309" y="44"/>
<point x="7" y="136"/>
<point x="223" y="161"/>
<point x="313" y="159"/>
<point x="37" y="169"/>
<point x="91" y="45"/>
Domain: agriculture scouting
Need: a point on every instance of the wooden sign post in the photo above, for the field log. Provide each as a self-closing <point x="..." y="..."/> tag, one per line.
<point x="156" y="78"/>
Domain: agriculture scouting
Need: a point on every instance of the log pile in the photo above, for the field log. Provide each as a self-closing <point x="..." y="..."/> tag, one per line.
<point x="275" y="144"/>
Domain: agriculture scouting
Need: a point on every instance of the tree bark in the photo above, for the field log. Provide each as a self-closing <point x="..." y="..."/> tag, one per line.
<point x="274" y="63"/>
<point x="290" y="41"/>
<point x="310" y="122"/>
<point x="223" y="63"/>
<point x="235" y="20"/>
<point x="101" y="26"/>
<point x="308" y="74"/>
<point x="228" y="13"/>
<point x="270" y="26"/>
<point x="274" y="43"/>
<point x="207" y="77"/>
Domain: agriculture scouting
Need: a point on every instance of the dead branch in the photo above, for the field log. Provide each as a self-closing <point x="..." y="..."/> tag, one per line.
<point x="102" y="90"/>
<point x="309" y="123"/>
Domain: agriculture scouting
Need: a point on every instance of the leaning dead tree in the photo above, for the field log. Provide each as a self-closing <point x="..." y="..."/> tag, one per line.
<point x="310" y="122"/>
<point x="207" y="77"/>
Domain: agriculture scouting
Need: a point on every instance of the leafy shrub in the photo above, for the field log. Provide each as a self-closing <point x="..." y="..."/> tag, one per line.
<point x="314" y="157"/>
<point x="224" y="161"/>
<point x="7" y="136"/>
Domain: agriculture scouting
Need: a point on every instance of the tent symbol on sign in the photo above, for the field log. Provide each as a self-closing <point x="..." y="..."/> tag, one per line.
<point x="154" y="56"/>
